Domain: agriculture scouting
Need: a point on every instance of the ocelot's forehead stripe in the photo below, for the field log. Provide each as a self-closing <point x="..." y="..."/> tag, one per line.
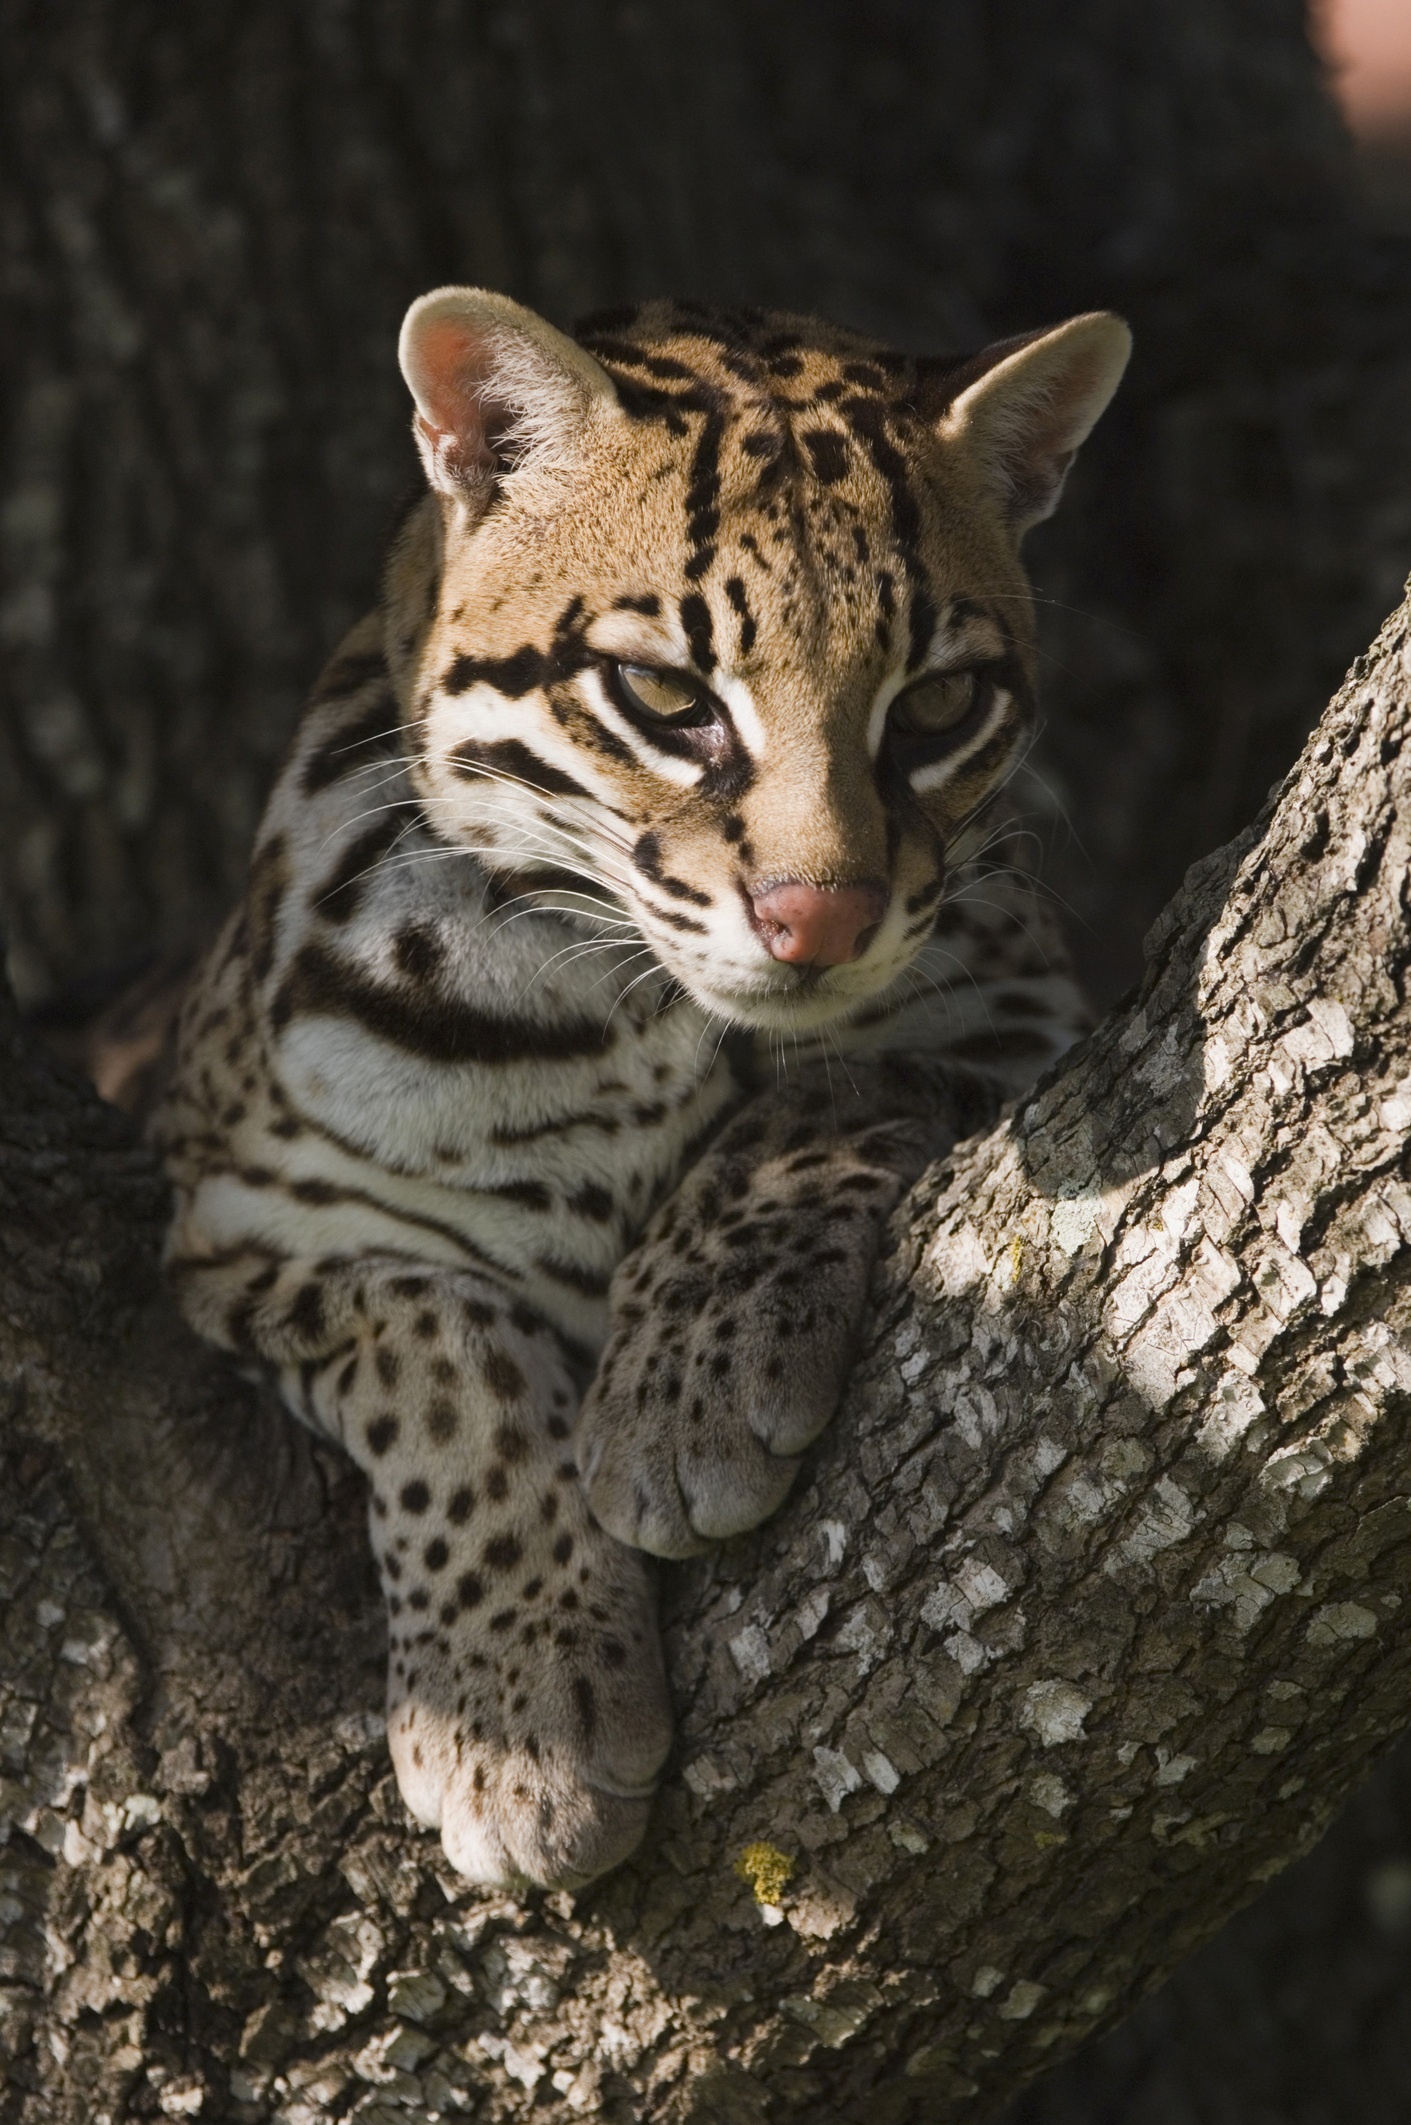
<point x="755" y="390"/>
<point x="699" y="630"/>
<point x="739" y="599"/>
<point x="869" y="418"/>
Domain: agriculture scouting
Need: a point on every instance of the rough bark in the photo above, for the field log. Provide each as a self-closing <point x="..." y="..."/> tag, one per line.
<point x="211" y="219"/>
<point x="1091" y="1612"/>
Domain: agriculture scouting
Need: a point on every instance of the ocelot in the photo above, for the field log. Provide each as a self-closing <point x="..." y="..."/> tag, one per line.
<point x="626" y="931"/>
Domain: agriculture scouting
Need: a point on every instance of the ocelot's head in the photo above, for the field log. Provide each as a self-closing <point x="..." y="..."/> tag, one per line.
<point x="730" y="634"/>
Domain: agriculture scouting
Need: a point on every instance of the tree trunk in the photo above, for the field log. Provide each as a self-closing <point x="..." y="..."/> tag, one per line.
<point x="1089" y="1616"/>
<point x="214" y="217"/>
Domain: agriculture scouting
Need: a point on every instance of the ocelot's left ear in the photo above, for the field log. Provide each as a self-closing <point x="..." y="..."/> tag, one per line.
<point x="498" y="390"/>
<point x="1020" y="409"/>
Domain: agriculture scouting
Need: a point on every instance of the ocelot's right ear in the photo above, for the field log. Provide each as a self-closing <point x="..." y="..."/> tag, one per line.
<point x="498" y="391"/>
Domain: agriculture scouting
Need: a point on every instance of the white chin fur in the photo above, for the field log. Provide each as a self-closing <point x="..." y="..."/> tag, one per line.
<point x="783" y="1010"/>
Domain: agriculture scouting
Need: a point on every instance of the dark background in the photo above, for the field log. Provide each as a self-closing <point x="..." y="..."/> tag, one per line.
<point x="211" y="220"/>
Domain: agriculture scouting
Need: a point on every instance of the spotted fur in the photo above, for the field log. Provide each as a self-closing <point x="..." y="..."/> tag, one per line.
<point x="496" y="1070"/>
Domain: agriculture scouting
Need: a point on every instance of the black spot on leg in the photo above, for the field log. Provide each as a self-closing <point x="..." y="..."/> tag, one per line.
<point x="563" y="1549"/>
<point x="502" y="1376"/>
<point x="503" y="1552"/>
<point x="387" y="1365"/>
<point x="587" y="1705"/>
<point x="415" y="1497"/>
<point x="382" y="1433"/>
<point x="442" y="1420"/>
<point x="462" y="1503"/>
<point x="469" y="1590"/>
<point x="435" y="1555"/>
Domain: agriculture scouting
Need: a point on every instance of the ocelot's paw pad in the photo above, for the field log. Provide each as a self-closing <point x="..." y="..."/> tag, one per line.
<point x="527" y="1706"/>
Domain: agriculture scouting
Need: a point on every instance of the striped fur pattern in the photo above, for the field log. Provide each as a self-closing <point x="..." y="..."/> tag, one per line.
<point x="495" y="1073"/>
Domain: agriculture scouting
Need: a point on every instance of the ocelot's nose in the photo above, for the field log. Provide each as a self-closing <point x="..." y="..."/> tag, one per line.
<point x="818" y="925"/>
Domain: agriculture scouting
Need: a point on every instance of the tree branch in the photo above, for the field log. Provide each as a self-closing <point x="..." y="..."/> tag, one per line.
<point x="1093" y="1610"/>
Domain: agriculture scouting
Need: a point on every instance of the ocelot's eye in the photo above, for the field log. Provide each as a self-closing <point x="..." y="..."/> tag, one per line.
<point x="664" y="696"/>
<point x="936" y="704"/>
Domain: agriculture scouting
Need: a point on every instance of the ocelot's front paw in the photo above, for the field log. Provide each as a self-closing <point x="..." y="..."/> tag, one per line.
<point x="527" y="1707"/>
<point x="734" y="1329"/>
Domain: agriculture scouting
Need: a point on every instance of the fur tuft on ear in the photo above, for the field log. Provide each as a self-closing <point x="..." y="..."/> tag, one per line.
<point x="496" y="388"/>
<point x="1021" y="408"/>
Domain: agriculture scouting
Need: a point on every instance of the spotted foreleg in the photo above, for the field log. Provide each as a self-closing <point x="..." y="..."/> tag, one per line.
<point x="527" y="1710"/>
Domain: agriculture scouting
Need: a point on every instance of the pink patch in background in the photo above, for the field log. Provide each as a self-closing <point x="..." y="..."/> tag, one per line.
<point x="1368" y="46"/>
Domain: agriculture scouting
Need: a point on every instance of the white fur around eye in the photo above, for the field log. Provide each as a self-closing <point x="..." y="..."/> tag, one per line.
<point x="881" y="709"/>
<point x="745" y="716"/>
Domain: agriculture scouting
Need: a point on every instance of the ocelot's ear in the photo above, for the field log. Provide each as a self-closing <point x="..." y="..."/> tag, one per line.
<point x="497" y="390"/>
<point x="1020" y="409"/>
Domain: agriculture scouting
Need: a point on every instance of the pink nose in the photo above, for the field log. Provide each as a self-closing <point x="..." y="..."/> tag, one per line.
<point x="818" y="925"/>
